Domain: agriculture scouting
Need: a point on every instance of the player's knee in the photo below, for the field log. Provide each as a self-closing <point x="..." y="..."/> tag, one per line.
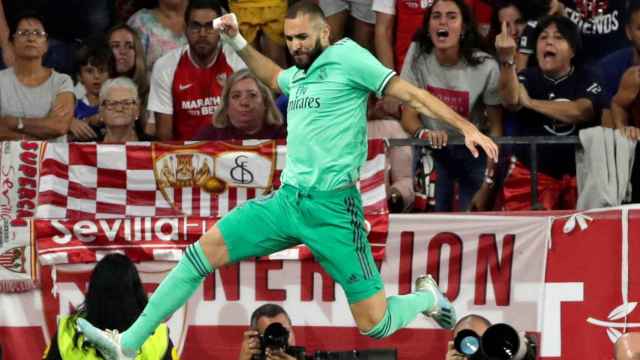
<point x="369" y="313"/>
<point x="367" y="323"/>
<point x="376" y="328"/>
<point x="366" y="328"/>
<point x="214" y="247"/>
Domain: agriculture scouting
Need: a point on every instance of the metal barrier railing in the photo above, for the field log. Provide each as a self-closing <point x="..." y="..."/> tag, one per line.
<point x="532" y="141"/>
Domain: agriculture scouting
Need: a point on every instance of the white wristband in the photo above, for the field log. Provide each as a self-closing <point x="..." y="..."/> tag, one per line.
<point x="237" y="42"/>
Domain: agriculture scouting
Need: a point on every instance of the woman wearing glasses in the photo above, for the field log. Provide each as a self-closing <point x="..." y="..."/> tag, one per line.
<point x="119" y="110"/>
<point x="36" y="102"/>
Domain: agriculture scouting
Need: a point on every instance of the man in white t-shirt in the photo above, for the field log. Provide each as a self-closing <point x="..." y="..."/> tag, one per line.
<point x="187" y="83"/>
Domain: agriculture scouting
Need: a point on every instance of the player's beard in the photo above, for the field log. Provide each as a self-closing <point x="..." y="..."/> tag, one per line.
<point x="313" y="55"/>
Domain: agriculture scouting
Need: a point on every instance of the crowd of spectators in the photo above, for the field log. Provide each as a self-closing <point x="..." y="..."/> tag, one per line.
<point x="512" y="67"/>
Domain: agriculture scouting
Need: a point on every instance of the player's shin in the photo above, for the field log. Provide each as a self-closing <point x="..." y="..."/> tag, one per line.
<point x="172" y="293"/>
<point x="401" y="310"/>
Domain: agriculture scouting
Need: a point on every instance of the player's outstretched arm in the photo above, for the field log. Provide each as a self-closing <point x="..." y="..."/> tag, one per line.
<point x="265" y="69"/>
<point x="425" y="103"/>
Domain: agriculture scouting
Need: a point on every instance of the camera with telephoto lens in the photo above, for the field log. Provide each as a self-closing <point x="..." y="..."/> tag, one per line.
<point x="276" y="337"/>
<point x="499" y="342"/>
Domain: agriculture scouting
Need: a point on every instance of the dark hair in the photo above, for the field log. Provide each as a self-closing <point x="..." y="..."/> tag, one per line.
<point x="115" y="297"/>
<point x="28" y="14"/>
<point x="496" y="26"/>
<point x="529" y="10"/>
<point x="469" y="43"/>
<point x="202" y="4"/>
<point x="305" y="7"/>
<point x="567" y="29"/>
<point x="267" y="310"/>
<point x="632" y="7"/>
<point x="97" y="55"/>
<point x="534" y="9"/>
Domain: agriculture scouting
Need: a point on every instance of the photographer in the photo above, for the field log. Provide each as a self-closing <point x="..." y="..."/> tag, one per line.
<point x="482" y="327"/>
<point x="261" y="318"/>
<point x="472" y="322"/>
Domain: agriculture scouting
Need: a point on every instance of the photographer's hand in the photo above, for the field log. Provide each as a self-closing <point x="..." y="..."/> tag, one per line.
<point x="278" y="355"/>
<point x="452" y="354"/>
<point x="250" y="345"/>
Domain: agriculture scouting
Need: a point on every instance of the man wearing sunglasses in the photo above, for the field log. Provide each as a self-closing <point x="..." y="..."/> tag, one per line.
<point x="186" y="84"/>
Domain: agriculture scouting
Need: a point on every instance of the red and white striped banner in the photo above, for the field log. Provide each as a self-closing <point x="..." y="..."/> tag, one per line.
<point x="81" y="185"/>
<point x="88" y="180"/>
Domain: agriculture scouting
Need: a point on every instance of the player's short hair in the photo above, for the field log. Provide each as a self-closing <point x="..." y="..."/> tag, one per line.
<point x="269" y="311"/>
<point x="202" y="4"/>
<point x="305" y="7"/>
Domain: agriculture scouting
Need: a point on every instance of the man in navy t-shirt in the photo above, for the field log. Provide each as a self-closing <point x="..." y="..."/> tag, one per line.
<point x="558" y="97"/>
<point x="599" y="22"/>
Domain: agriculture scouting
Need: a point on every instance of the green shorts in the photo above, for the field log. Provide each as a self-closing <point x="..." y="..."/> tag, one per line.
<point x="330" y="223"/>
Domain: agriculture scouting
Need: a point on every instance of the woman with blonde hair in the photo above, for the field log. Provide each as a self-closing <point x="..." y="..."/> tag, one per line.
<point x="247" y="111"/>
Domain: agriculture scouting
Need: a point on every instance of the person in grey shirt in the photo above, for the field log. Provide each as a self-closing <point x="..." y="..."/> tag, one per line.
<point x="444" y="60"/>
<point x="35" y="102"/>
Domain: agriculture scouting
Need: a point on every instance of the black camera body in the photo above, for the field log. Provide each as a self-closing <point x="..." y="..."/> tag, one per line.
<point x="499" y="342"/>
<point x="276" y="337"/>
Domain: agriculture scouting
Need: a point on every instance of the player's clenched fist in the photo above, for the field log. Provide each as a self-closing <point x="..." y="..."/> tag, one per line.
<point x="228" y="27"/>
<point x="227" y="24"/>
<point x="505" y="44"/>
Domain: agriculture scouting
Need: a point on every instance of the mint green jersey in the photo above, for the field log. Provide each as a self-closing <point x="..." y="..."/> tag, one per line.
<point x="327" y="115"/>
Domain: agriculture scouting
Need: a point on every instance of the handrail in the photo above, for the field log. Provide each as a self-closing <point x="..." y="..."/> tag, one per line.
<point x="502" y="140"/>
<point x="532" y="141"/>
